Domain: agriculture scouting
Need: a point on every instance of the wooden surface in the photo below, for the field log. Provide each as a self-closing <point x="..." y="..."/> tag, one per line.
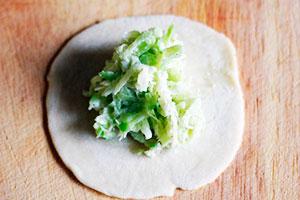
<point x="267" y="37"/>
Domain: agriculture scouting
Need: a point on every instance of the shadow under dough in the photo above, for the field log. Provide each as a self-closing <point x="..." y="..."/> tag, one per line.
<point x="73" y="74"/>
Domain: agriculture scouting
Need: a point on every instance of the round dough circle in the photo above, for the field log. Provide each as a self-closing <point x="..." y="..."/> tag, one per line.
<point x="110" y="166"/>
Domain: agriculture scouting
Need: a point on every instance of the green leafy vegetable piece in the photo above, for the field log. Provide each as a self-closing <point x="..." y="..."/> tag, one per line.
<point x="131" y="37"/>
<point x="151" y="59"/>
<point x="139" y="137"/>
<point x="169" y="33"/>
<point x="109" y="75"/>
<point x="172" y="52"/>
<point x="123" y="126"/>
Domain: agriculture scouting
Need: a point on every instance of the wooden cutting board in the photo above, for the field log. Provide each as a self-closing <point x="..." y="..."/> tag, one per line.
<point x="267" y="37"/>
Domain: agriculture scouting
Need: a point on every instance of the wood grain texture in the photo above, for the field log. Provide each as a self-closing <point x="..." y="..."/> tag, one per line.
<point x="267" y="37"/>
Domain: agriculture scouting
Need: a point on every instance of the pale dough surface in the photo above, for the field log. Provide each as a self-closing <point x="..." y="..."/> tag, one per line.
<point x="111" y="167"/>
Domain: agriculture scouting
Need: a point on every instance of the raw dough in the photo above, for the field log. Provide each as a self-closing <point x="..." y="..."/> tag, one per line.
<point x="110" y="166"/>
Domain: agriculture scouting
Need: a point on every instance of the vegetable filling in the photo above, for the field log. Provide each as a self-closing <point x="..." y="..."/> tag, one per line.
<point x="141" y="93"/>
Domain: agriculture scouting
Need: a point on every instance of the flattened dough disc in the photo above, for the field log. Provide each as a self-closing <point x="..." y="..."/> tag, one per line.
<point x="110" y="166"/>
